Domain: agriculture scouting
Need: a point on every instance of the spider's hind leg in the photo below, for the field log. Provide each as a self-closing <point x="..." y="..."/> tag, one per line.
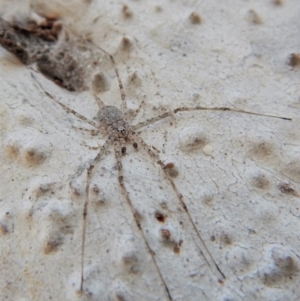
<point x="202" y="248"/>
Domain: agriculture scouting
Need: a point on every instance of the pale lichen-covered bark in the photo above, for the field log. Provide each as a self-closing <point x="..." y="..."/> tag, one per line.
<point x="238" y="174"/>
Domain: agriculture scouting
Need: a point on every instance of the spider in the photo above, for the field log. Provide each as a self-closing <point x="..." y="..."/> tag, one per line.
<point x="119" y="131"/>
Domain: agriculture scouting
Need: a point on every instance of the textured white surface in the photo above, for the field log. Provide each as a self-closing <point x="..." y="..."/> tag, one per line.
<point x="235" y="170"/>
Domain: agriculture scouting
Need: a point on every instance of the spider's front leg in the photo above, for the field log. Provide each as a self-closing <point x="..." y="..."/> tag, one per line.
<point x="199" y="108"/>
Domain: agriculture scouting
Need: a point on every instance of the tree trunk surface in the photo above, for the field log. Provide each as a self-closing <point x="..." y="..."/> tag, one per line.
<point x="221" y="221"/>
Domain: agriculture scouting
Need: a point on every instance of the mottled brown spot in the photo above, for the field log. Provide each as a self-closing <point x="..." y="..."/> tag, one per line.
<point x="284" y="269"/>
<point x="176" y="248"/>
<point x="95" y="189"/>
<point x="100" y="83"/>
<point x="171" y="170"/>
<point x="165" y="233"/>
<point x="134" y="79"/>
<point x="193" y="139"/>
<point x="262" y="150"/>
<point x="131" y="262"/>
<point x="225" y="239"/>
<point x="254" y="17"/>
<point x="119" y="297"/>
<point x="12" y="151"/>
<point x="158" y="8"/>
<point x="54" y="241"/>
<point x="43" y="188"/>
<point x="34" y="156"/>
<point x="126" y="43"/>
<point x="3" y="229"/>
<point x="260" y="181"/>
<point x="287" y="189"/>
<point x="170" y="165"/>
<point x="164" y="205"/>
<point x="195" y="18"/>
<point x="208" y="199"/>
<point x="160" y="216"/>
<point x="127" y="12"/>
<point x="294" y="59"/>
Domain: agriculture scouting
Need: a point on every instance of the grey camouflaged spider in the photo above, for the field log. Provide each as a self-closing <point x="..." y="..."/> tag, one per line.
<point x="117" y="125"/>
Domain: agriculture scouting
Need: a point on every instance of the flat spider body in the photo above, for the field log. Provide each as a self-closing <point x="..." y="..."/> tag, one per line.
<point x="118" y="129"/>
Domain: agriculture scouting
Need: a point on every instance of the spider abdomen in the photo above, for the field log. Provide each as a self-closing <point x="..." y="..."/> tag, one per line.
<point x="109" y="115"/>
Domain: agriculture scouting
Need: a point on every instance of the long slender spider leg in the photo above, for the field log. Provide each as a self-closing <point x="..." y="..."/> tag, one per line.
<point x="134" y="113"/>
<point x="85" y="208"/>
<point x="122" y="92"/>
<point x="212" y="263"/>
<point x="92" y="132"/>
<point x="68" y="110"/>
<point x="152" y="120"/>
<point x="117" y="147"/>
<point x="100" y="103"/>
<point x="198" y="108"/>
